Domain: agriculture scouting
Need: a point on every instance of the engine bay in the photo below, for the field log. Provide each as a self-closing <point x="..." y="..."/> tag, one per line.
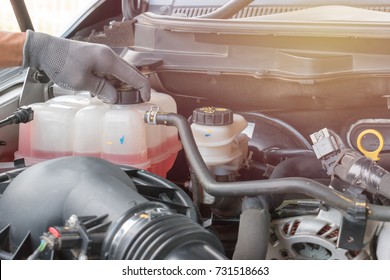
<point x="267" y="136"/>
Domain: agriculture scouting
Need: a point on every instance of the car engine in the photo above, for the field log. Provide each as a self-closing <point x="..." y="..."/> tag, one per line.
<point x="267" y="136"/>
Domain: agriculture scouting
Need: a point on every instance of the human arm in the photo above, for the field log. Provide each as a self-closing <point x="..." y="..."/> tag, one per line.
<point x="11" y="48"/>
<point x="72" y="64"/>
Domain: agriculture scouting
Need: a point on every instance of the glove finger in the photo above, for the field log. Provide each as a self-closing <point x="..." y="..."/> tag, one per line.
<point x="145" y="91"/>
<point x="108" y="93"/>
<point x="102" y="89"/>
<point x="124" y="72"/>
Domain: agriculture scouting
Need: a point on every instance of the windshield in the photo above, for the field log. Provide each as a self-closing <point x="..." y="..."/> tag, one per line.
<point x="49" y="16"/>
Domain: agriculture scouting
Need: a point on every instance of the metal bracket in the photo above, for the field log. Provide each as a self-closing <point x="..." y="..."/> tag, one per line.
<point x="353" y="225"/>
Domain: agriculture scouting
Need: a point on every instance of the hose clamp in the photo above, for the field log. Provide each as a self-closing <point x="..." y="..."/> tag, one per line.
<point x="150" y="116"/>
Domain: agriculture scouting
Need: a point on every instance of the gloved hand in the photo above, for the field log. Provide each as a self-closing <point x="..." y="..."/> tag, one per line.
<point x="71" y="64"/>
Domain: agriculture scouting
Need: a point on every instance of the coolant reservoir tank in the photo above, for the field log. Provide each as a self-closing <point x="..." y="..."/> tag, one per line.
<point x="88" y="129"/>
<point x="124" y="132"/>
<point x="216" y="132"/>
<point x="52" y="129"/>
<point x="79" y="125"/>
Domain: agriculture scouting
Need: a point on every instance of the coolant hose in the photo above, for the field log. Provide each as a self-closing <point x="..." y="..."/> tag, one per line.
<point x="258" y="187"/>
<point x="228" y="10"/>
<point x="253" y="231"/>
<point x="308" y="166"/>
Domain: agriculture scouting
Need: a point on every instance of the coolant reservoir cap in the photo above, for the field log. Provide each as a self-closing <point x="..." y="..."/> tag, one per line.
<point x="128" y="95"/>
<point x="212" y="116"/>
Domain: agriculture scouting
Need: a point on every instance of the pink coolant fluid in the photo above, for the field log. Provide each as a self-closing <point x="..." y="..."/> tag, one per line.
<point x="163" y="156"/>
<point x="24" y="145"/>
<point x="72" y="125"/>
<point x="44" y="154"/>
<point x="25" y="130"/>
<point x="163" y="167"/>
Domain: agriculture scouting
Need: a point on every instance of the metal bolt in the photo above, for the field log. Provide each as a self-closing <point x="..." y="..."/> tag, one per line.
<point x="72" y="221"/>
<point x="164" y="10"/>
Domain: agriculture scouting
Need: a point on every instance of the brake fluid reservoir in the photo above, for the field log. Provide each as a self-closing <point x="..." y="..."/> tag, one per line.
<point x="217" y="133"/>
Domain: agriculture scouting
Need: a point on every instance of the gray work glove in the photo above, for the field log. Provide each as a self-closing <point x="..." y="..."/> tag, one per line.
<point x="72" y="64"/>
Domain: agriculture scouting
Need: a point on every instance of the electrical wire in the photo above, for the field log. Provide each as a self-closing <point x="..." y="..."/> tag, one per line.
<point x="22" y="115"/>
<point x="38" y="251"/>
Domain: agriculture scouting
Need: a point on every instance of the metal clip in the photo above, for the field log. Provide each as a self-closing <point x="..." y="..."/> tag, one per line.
<point x="150" y="116"/>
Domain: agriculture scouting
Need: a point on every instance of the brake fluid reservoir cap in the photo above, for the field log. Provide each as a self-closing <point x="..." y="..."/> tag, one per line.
<point x="212" y="116"/>
<point x="128" y="95"/>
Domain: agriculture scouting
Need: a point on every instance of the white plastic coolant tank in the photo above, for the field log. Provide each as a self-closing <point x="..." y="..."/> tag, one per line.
<point x="52" y="129"/>
<point x="166" y="103"/>
<point x="76" y="101"/>
<point x="79" y="125"/>
<point x="25" y="129"/>
<point x="88" y="129"/>
<point x="124" y="139"/>
<point x="162" y="154"/>
<point x="127" y="138"/>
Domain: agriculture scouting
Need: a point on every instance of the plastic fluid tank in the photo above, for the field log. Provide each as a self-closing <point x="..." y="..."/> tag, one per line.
<point x="51" y="135"/>
<point x="79" y="125"/>
<point x="124" y="136"/>
<point x="52" y="128"/>
<point x="24" y="144"/>
<point x="167" y="104"/>
<point x="217" y="133"/>
<point x="88" y="130"/>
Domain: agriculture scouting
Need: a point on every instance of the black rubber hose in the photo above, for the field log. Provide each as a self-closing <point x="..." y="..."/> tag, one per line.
<point x="384" y="186"/>
<point x="259" y="187"/>
<point x="228" y="10"/>
<point x="253" y="231"/>
<point x="362" y="171"/>
<point x="304" y="166"/>
<point x="287" y="153"/>
<point x="307" y="166"/>
<point x="195" y="251"/>
<point x="162" y="235"/>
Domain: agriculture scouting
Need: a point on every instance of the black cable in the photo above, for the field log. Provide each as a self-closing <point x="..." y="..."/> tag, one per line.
<point x="22" y="115"/>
